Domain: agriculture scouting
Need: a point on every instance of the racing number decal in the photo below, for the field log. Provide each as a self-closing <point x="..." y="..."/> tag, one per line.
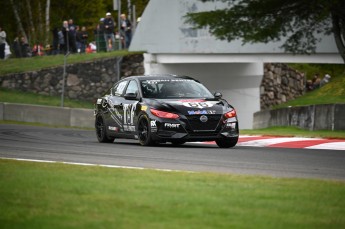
<point x="198" y="104"/>
<point x="128" y="116"/>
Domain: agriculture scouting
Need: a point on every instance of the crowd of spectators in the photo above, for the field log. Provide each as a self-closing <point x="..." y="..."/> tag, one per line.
<point x="71" y="38"/>
<point x="106" y="39"/>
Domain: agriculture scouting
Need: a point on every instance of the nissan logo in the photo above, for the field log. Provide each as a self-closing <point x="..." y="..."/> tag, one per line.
<point x="203" y="118"/>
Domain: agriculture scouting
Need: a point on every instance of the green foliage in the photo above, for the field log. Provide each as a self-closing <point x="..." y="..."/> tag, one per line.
<point x="272" y="20"/>
<point x="335" y="70"/>
<point x="54" y="195"/>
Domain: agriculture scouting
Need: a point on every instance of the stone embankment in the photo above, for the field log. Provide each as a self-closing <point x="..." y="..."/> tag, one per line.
<point x="280" y="84"/>
<point x="84" y="81"/>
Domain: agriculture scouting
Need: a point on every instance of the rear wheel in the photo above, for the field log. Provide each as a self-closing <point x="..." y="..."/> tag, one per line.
<point x="101" y="131"/>
<point x="227" y="142"/>
<point x="144" y="132"/>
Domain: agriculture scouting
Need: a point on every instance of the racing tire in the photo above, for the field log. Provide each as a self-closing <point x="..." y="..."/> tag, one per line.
<point x="101" y="131"/>
<point x="144" y="132"/>
<point x="227" y="142"/>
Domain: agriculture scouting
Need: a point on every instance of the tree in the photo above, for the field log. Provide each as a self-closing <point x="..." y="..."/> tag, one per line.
<point x="47" y="21"/>
<point x="18" y="20"/>
<point x="31" y="21"/>
<point x="297" y="21"/>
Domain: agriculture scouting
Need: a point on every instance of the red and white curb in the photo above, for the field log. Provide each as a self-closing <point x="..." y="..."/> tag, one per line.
<point x="290" y="142"/>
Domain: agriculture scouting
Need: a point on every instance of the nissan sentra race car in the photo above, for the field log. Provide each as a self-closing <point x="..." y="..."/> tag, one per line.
<point x="165" y="108"/>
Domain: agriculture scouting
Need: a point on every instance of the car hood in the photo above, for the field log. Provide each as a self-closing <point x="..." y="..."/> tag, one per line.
<point x="190" y="106"/>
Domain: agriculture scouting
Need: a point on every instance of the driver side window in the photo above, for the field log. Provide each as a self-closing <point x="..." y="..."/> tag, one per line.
<point x="132" y="87"/>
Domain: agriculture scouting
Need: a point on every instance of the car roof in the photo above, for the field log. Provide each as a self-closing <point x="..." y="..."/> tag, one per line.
<point x="158" y="76"/>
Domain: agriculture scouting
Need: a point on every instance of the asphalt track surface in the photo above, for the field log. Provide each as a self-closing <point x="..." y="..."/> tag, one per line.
<point x="81" y="146"/>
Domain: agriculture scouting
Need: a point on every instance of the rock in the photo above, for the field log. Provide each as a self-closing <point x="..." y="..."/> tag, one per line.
<point x="72" y="80"/>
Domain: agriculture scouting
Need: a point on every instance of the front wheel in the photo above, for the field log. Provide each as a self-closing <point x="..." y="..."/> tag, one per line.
<point x="101" y="131"/>
<point x="227" y="142"/>
<point x="144" y="132"/>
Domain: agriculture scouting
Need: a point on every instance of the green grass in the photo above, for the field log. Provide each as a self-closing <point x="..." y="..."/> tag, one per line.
<point x="335" y="70"/>
<point x="294" y="131"/>
<point x="333" y="92"/>
<point x="44" y="195"/>
<point x="13" y="96"/>
<point x="14" y="65"/>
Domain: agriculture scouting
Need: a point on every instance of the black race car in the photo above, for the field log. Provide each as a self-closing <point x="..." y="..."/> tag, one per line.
<point x="165" y="108"/>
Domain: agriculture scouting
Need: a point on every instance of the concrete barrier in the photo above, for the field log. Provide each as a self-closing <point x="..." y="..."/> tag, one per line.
<point x="314" y="117"/>
<point x="61" y="116"/>
<point x="1" y="111"/>
<point x="82" y="117"/>
<point x="339" y="114"/>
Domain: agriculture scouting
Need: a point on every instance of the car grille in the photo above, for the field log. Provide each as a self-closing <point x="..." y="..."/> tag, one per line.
<point x="197" y="125"/>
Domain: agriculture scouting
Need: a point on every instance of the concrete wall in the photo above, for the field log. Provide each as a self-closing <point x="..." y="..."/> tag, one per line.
<point x="163" y="30"/>
<point x="314" y="117"/>
<point x="60" y="116"/>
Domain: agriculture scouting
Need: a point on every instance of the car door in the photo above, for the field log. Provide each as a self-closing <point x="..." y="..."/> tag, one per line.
<point x="130" y="106"/>
<point x="115" y="100"/>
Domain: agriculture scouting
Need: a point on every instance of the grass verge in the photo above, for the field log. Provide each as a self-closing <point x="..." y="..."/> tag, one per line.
<point x="15" y="65"/>
<point x="14" y="96"/>
<point x="294" y="132"/>
<point x="44" y="195"/>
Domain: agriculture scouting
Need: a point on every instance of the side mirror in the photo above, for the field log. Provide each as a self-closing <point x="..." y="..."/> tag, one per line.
<point x="218" y="95"/>
<point x="131" y="96"/>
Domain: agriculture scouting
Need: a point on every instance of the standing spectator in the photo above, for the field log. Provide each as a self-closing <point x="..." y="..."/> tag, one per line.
<point x="65" y="32"/>
<point x="126" y="29"/>
<point x="62" y="44"/>
<point x="84" y="37"/>
<point x="16" y="48"/>
<point x="2" y="43"/>
<point x="72" y="35"/>
<point x="25" y="48"/>
<point x="99" y="36"/>
<point x="78" y="38"/>
<point x="7" y="51"/>
<point x="109" y="37"/>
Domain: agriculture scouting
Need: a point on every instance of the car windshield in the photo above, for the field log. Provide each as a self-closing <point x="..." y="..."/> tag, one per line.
<point x="174" y="88"/>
